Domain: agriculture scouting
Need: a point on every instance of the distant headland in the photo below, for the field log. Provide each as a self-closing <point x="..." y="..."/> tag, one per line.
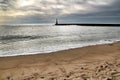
<point x="85" y="24"/>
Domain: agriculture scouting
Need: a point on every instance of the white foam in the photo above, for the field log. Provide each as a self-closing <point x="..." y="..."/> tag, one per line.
<point x="64" y="48"/>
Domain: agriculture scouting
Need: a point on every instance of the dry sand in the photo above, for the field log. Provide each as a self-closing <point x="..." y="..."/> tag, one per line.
<point x="101" y="62"/>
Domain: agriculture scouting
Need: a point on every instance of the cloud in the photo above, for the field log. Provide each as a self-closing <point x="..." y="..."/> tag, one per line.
<point x="58" y="8"/>
<point x="51" y="7"/>
<point x="61" y="7"/>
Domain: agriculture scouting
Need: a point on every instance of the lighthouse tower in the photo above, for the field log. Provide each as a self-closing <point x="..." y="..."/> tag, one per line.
<point x="56" y="22"/>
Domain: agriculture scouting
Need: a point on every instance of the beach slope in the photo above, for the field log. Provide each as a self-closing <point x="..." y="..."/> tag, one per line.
<point x="99" y="62"/>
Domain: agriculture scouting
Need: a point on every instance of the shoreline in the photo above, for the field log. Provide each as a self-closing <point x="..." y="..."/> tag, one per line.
<point x="38" y="53"/>
<point x="98" y="62"/>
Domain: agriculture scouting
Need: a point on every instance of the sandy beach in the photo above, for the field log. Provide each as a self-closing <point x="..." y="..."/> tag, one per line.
<point x="100" y="62"/>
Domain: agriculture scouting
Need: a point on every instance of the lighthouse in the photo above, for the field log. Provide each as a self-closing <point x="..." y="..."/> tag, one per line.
<point x="56" y="22"/>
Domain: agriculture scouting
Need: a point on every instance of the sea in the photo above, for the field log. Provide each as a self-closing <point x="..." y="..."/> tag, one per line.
<point x="27" y="39"/>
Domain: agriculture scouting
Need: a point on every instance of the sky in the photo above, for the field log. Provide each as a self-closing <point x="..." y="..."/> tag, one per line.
<point x="67" y="11"/>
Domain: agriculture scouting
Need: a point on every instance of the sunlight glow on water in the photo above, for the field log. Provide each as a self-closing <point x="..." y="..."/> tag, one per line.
<point x="25" y="39"/>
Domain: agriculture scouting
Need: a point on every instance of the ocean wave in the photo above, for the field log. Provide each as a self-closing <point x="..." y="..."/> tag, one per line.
<point x="107" y="41"/>
<point x="17" y="37"/>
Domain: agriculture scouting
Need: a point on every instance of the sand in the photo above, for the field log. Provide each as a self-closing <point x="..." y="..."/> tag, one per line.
<point x="100" y="62"/>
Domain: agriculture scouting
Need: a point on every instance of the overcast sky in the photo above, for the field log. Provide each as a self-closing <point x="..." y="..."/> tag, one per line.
<point x="45" y="11"/>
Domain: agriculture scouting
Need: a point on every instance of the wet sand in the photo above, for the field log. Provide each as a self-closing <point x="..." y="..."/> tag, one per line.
<point x="100" y="62"/>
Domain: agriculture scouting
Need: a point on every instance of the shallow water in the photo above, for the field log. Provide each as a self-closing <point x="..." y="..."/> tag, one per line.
<point x="31" y="39"/>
